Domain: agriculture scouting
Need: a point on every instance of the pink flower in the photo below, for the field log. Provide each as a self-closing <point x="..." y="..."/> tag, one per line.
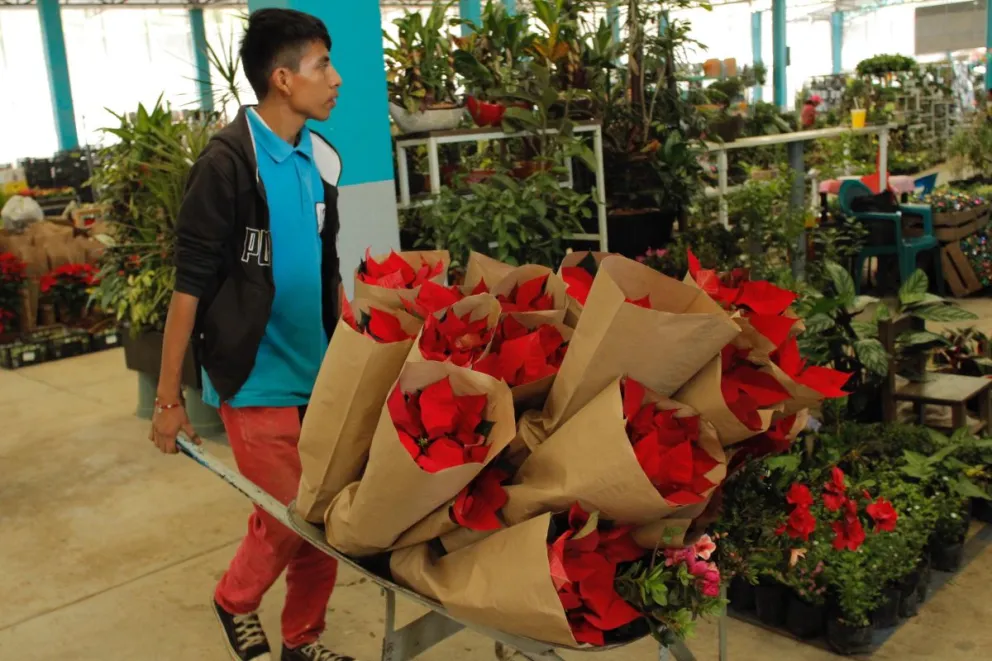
<point x="704" y="547"/>
<point x="676" y="556"/>
<point x="650" y="253"/>
<point x="641" y="259"/>
<point x="711" y="589"/>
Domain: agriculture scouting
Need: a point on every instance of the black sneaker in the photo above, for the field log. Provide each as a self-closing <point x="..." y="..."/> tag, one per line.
<point x="312" y="652"/>
<point x="244" y="636"/>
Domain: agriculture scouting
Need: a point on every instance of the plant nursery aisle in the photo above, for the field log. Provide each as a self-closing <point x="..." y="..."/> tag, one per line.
<point x="109" y="550"/>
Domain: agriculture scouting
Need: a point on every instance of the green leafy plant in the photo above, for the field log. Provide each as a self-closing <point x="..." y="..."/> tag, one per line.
<point x="880" y="65"/>
<point x="491" y="58"/>
<point x="420" y="68"/>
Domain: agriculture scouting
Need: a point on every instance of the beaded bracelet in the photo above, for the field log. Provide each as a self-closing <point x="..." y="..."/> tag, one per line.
<point x="161" y="408"/>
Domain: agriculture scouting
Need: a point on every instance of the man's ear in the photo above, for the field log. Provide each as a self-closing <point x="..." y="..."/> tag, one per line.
<point x="281" y="80"/>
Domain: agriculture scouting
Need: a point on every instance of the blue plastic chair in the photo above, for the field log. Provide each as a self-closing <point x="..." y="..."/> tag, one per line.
<point x="925" y="185"/>
<point x="906" y="249"/>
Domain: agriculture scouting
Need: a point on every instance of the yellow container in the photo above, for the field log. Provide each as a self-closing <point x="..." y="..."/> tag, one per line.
<point x="858" y="116"/>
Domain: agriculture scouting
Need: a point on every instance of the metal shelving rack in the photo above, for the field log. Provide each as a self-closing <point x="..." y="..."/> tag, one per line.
<point x="434" y="139"/>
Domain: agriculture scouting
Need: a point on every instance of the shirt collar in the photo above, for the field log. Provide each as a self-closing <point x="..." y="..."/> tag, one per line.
<point x="273" y="145"/>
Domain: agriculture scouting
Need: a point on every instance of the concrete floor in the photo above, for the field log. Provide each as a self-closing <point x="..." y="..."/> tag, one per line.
<point x="109" y="551"/>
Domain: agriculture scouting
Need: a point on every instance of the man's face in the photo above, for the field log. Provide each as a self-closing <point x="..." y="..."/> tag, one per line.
<point x="313" y="89"/>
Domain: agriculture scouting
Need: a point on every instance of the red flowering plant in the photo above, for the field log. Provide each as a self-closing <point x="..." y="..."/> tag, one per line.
<point x="68" y="287"/>
<point x="440" y="429"/>
<point x="11" y="283"/>
<point x="675" y="589"/>
<point x="584" y="553"/>
<point x="395" y="272"/>
<point x="382" y="326"/>
<point x="460" y="334"/>
<point x="529" y="296"/>
<point x="432" y="298"/>
<point x="682" y="464"/>
<point x="520" y="355"/>
<point x="578" y="270"/>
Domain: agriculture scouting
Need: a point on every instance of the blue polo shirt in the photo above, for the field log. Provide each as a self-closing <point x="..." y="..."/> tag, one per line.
<point x="294" y="343"/>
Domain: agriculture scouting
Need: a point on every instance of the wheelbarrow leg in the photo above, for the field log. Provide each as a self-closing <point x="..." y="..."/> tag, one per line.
<point x="417" y="637"/>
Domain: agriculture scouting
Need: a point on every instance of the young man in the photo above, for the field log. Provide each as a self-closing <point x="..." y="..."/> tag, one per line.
<point x="257" y="283"/>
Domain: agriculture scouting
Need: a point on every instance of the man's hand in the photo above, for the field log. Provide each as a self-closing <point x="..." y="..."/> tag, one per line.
<point x="166" y="425"/>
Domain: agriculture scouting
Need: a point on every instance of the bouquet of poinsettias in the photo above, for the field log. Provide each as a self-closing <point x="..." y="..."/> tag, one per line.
<point x="577" y="518"/>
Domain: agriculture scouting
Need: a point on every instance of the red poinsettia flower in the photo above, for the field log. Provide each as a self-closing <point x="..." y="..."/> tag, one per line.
<point x="667" y="448"/>
<point x="643" y="302"/>
<point x="478" y="505"/>
<point x="519" y="355"/>
<point x="746" y="390"/>
<point x="11" y="267"/>
<point x="454" y="339"/>
<point x="432" y="297"/>
<point x="883" y="514"/>
<point x="828" y="382"/>
<point x="438" y="428"/>
<point x="578" y="282"/>
<point x="583" y="561"/>
<point x="378" y="324"/>
<point x="528" y="296"/>
<point x="835" y="491"/>
<point x="394" y="272"/>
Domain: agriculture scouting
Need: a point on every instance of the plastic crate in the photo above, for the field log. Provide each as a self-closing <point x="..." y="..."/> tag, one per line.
<point x="20" y="353"/>
<point x="107" y="338"/>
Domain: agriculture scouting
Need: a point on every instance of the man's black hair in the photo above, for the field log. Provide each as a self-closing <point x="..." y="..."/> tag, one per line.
<point x="278" y="38"/>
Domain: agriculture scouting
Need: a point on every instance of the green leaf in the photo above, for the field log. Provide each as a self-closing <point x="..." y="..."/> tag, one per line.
<point x="882" y="313"/>
<point x="917" y="465"/>
<point x="943" y="313"/>
<point x="968" y="489"/>
<point x="842" y="281"/>
<point x="865" y="329"/>
<point x="915" y="338"/>
<point x="915" y="288"/>
<point x="787" y="463"/>
<point x="925" y="299"/>
<point x="872" y="355"/>
<point x="818" y="323"/>
<point x="860" y="303"/>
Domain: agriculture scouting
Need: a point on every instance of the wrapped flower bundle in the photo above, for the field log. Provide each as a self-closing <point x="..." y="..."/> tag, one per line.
<point x="460" y="334"/>
<point x="397" y="277"/>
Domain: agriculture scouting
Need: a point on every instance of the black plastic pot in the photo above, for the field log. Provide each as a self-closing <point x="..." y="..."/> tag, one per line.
<point x="923" y="588"/>
<point x="804" y="620"/>
<point x="886" y="615"/>
<point x="741" y="594"/>
<point x="845" y="639"/>
<point x="632" y="232"/>
<point x="909" y="594"/>
<point x="981" y="510"/>
<point x="770" y="600"/>
<point x="946" y="557"/>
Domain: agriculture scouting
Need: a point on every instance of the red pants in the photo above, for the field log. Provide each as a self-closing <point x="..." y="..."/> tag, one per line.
<point x="264" y="442"/>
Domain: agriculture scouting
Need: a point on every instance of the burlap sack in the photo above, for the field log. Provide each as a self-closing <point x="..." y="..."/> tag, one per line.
<point x="591" y="461"/>
<point x="502" y="582"/>
<point x="661" y="347"/>
<point x="573" y="259"/>
<point x="555" y="286"/>
<point x="393" y="298"/>
<point x="484" y="269"/>
<point x="395" y="493"/>
<point x="703" y="393"/>
<point x="351" y="389"/>
<point x="478" y="307"/>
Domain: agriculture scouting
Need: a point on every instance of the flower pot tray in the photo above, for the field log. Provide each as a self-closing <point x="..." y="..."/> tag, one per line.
<point x="61" y="341"/>
<point x="17" y="353"/>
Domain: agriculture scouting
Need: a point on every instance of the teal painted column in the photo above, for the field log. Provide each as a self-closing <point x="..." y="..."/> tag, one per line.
<point x="988" y="45"/>
<point x="358" y="128"/>
<point x="613" y="18"/>
<point x="756" y="49"/>
<point x="199" y="33"/>
<point x="511" y="6"/>
<point x="781" y="54"/>
<point x="58" y="73"/>
<point x="663" y="22"/>
<point x="470" y="10"/>
<point x="837" y="39"/>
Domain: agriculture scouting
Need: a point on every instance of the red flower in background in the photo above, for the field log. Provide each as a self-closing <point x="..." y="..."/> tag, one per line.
<point x="528" y="296"/>
<point x="455" y="339"/>
<point x="432" y="297"/>
<point x="835" y="491"/>
<point x="478" y="505"/>
<point x="746" y="390"/>
<point x="775" y="440"/>
<point x="583" y="562"/>
<point x="801" y="522"/>
<point x="667" y="447"/>
<point x="12" y="267"/>
<point x="519" y="355"/>
<point x="883" y="514"/>
<point x="438" y="428"/>
<point x="799" y="496"/>
<point x="578" y="282"/>
<point x="395" y="273"/>
<point x="850" y="534"/>
<point x="377" y="324"/>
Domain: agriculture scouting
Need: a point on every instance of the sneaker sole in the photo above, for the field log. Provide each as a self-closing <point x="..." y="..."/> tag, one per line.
<point x="227" y="643"/>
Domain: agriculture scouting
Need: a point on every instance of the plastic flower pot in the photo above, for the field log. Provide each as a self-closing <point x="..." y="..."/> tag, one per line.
<point x="741" y="594"/>
<point x="923" y="587"/>
<point x="981" y="510"/>
<point x="770" y="600"/>
<point x="804" y="620"/>
<point x="844" y="638"/>
<point x="909" y="594"/>
<point x="485" y="113"/>
<point x="946" y="557"/>
<point x="886" y="614"/>
<point x="432" y="119"/>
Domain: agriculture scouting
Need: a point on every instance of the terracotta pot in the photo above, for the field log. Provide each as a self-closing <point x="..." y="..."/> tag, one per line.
<point x="525" y="169"/>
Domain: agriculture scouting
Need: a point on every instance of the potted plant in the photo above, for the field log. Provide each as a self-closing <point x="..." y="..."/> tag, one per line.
<point x="491" y="61"/>
<point x="420" y="72"/>
<point x="68" y="288"/>
<point x="12" y="299"/>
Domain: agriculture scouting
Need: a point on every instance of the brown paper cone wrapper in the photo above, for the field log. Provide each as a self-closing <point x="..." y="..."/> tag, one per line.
<point x="485" y="269"/>
<point x="354" y="382"/>
<point x="703" y="393"/>
<point x="555" y="286"/>
<point x="591" y="461"/>
<point x="664" y="534"/>
<point x="393" y="298"/>
<point x="661" y="348"/>
<point x="395" y="493"/>
<point x="502" y="582"/>
<point x="478" y="306"/>
<point x="574" y="310"/>
<point x="437" y="524"/>
<point x="800" y="397"/>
